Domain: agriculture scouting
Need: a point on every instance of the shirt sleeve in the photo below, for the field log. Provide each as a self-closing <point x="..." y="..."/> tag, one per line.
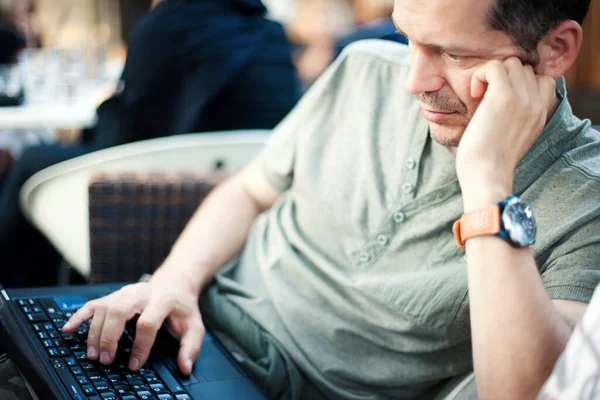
<point x="572" y="270"/>
<point x="302" y="124"/>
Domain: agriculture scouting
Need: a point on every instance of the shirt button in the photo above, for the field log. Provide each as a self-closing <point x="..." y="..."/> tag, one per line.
<point x="382" y="240"/>
<point x="411" y="164"/>
<point x="399" y="217"/>
<point x="365" y="257"/>
<point x="408" y="188"/>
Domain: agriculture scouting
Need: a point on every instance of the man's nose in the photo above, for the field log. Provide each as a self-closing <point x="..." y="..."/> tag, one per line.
<point x="424" y="75"/>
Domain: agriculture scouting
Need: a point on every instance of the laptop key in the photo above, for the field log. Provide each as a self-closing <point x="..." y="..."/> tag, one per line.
<point x="63" y="351"/>
<point x="87" y="365"/>
<point x="76" y="371"/>
<point x="80" y="355"/>
<point x="139" y="386"/>
<point x="36" y="317"/>
<point x="88" y="389"/>
<point x="69" y="337"/>
<point x="109" y="395"/>
<point x="157" y="387"/>
<point x="165" y="396"/>
<point x="146" y="395"/>
<point x="75" y="347"/>
<point x="114" y="378"/>
<point x="42" y="335"/>
<point x="83" y="380"/>
<point x="38" y="327"/>
<point x="152" y="379"/>
<point x="52" y="334"/>
<point x="70" y="362"/>
<point x="49" y="327"/>
<point x="183" y="396"/>
<point x="52" y="352"/>
<point x="101" y="384"/>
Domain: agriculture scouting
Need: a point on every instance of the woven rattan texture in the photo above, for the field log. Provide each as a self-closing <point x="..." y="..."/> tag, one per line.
<point x="136" y="218"/>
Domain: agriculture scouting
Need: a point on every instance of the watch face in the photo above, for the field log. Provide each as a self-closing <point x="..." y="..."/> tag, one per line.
<point x="519" y="222"/>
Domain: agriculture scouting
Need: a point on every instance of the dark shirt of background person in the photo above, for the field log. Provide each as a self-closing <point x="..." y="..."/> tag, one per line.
<point x="201" y="65"/>
<point x="11" y="41"/>
<point x="381" y="29"/>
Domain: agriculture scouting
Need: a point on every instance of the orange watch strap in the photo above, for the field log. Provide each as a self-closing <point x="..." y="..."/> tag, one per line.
<point x="484" y="222"/>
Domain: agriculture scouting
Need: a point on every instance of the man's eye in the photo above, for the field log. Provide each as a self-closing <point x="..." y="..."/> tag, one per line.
<point x="455" y="58"/>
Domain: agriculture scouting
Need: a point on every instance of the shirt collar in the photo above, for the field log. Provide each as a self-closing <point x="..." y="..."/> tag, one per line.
<point x="552" y="143"/>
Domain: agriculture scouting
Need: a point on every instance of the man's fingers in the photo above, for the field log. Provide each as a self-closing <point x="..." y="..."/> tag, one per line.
<point x="531" y="82"/>
<point x="82" y="315"/>
<point x="517" y="75"/>
<point x="190" y="344"/>
<point x="491" y="76"/>
<point x="94" y="332"/>
<point x="547" y="87"/>
<point x="114" y="323"/>
<point x="147" y="326"/>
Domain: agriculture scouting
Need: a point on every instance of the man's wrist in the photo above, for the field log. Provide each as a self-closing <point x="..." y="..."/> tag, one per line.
<point x="479" y="195"/>
<point x="191" y="276"/>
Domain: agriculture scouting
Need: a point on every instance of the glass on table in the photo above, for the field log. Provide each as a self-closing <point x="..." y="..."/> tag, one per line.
<point x="38" y="70"/>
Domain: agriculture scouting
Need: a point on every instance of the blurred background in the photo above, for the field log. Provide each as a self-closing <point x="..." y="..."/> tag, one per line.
<point x="95" y="33"/>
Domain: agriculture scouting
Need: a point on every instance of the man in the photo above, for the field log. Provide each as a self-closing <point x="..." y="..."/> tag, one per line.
<point x="350" y="283"/>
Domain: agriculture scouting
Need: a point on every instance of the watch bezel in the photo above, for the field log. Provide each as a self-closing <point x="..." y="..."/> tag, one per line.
<point x="509" y="232"/>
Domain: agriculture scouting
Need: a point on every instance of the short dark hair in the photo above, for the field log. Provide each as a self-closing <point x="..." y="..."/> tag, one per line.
<point x="528" y="21"/>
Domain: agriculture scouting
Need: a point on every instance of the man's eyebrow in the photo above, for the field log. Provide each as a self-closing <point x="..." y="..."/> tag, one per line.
<point x="434" y="46"/>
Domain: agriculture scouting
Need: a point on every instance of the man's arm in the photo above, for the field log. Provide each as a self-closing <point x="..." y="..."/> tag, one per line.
<point x="518" y="332"/>
<point x="218" y="230"/>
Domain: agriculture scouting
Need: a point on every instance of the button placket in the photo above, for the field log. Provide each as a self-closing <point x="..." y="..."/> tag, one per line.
<point x="399" y="217"/>
<point x="364" y="257"/>
<point x="382" y="240"/>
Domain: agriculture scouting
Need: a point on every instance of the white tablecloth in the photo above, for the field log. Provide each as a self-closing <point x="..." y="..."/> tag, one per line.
<point x="77" y="114"/>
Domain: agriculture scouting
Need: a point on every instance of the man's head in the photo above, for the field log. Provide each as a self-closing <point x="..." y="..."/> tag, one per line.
<point x="450" y="39"/>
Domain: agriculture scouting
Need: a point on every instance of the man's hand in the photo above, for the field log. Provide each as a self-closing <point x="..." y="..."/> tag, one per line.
<point x="511" y="116"/>
<point x="163" y="298"/>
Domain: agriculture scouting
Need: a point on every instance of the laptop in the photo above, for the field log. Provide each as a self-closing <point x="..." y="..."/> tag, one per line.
<point x="55" y="365"/>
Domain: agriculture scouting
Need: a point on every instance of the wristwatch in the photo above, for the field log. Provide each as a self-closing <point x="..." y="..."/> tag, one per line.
<point x="512" y="220"/>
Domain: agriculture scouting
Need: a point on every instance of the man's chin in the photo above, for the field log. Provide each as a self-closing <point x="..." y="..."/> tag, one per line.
<point x="448" y="136"/>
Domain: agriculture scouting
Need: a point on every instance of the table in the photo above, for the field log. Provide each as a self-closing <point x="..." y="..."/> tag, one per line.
<point x="78" y="114"/>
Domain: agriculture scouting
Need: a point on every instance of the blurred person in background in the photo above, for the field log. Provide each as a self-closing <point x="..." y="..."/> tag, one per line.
<point x="374" y="21"/>
<point x="192" y="66"/>
<point x="11" y="38"/>
<point x="16" y="29"/>
<point x="16" y="34"/>
<point x="326" y="27"/>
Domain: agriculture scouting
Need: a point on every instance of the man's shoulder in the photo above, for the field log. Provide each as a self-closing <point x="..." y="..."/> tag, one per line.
<point x="585" y="156"/>
<point x="378" y="49"/>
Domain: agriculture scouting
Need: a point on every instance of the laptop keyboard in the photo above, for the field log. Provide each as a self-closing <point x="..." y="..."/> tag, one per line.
<point x="87" y="379"/>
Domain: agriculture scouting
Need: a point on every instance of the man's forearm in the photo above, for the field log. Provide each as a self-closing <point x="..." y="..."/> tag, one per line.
<point x="214" y="235"/>
<point x="517" y="332"/>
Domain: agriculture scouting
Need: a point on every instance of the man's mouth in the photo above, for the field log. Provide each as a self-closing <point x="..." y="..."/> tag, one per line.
<point x="436" y="116"/>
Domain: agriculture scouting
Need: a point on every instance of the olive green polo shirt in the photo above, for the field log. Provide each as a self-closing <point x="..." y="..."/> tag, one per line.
<point x="355" y="270"/>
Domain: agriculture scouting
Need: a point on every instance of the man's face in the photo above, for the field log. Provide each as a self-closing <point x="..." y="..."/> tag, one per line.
<point x="448" y="42"/>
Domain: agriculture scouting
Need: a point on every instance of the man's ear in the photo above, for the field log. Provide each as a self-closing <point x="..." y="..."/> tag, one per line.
<point x="559" y="49"/>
